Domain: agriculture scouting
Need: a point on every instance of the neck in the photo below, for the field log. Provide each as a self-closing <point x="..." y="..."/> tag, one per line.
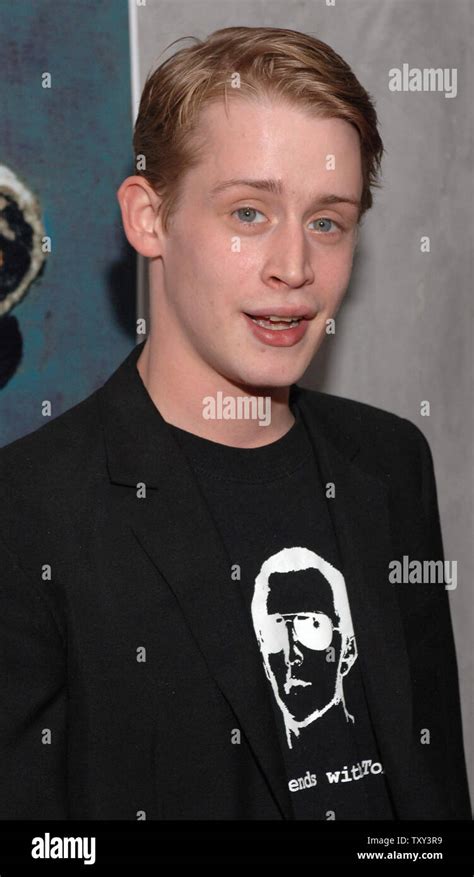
<point x="191" y="396"/>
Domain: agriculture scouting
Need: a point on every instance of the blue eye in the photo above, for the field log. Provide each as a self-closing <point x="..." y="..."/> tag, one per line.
<point x="247" y="215"/>
<point x="247" y="210"/>
<point x="321" y="222"/>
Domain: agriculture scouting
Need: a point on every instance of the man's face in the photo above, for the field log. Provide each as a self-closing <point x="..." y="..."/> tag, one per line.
<point x="300" y="626"/>
<point x="246" y="250"/>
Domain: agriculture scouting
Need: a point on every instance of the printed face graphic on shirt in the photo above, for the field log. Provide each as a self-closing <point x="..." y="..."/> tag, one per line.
<point x="303" y="624"/>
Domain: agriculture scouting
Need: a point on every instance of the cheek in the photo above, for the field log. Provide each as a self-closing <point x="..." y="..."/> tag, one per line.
<point x="196" y="275"/>
<point x="213" y="264"/>
<point x="332" y="271"/>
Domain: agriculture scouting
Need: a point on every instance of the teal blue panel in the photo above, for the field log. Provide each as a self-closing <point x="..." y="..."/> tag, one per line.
<point x="71" y="146"/>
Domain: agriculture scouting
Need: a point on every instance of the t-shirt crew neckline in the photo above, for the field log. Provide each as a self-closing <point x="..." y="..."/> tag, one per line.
<point x="268" y="462"/>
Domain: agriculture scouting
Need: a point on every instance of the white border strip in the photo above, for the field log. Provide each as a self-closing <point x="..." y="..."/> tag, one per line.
<point x="134" y="57"/>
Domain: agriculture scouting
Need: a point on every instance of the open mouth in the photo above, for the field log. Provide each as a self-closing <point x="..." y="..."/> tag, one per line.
<point x="276" y="323"/>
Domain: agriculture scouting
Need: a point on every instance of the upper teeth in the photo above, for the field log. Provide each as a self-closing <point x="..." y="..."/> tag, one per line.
<point x="282" y="319"/>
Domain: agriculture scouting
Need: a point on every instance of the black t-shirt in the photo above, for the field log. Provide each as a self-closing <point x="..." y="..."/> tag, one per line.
<point x="270" y="508"/>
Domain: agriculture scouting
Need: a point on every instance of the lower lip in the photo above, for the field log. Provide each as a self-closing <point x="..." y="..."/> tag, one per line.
<point x="278" y="337"/>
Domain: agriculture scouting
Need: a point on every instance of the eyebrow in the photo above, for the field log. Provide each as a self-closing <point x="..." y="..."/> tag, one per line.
<point x="276" y="188"/>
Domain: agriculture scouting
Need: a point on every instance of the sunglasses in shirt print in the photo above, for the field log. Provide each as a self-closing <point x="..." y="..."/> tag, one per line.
<point x="314" y="630"/>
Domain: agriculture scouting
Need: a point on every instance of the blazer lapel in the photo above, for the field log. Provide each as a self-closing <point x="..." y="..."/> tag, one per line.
<point x="361" y="521"/>
<point x="175" y="529"/>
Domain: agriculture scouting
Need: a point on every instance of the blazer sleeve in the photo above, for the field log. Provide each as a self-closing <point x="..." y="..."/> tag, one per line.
<point x="33" y="699"/>
<point x="456" y="782"/>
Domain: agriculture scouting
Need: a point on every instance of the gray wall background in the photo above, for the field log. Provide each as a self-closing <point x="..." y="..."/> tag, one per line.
<point x="404" y="332"/>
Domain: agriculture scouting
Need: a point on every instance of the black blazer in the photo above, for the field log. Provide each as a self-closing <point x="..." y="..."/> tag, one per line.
<point x="128" y="657"/>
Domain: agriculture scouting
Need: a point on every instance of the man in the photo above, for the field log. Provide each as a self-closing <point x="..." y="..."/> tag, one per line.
<point x="156" y="545"/>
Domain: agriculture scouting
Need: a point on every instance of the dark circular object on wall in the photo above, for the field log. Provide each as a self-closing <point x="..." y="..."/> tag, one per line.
<point x="21" y="260"/>
<point x="21" y="239"/>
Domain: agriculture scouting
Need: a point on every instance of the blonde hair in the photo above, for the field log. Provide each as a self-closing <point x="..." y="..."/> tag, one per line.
<point x="270" y="62"/>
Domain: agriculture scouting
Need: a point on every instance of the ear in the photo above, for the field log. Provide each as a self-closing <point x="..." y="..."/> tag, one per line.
<point x="349" y="656"/>
<point x="139" y="205"/>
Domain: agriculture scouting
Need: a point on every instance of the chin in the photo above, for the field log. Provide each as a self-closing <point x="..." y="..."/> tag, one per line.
<point x="281" y="373"/>
<point x="268" y="378"/>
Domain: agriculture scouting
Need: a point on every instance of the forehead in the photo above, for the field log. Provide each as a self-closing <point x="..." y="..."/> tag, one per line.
<point x="275" y="138"/>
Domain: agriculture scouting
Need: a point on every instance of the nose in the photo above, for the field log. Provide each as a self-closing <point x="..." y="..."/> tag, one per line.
<point x="295" y="655"/>
<point x="288" y="261"/>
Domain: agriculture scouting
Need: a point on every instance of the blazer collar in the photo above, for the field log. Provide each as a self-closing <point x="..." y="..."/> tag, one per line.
<point x="131" y="420"/>
<point x="141" y="448"/>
